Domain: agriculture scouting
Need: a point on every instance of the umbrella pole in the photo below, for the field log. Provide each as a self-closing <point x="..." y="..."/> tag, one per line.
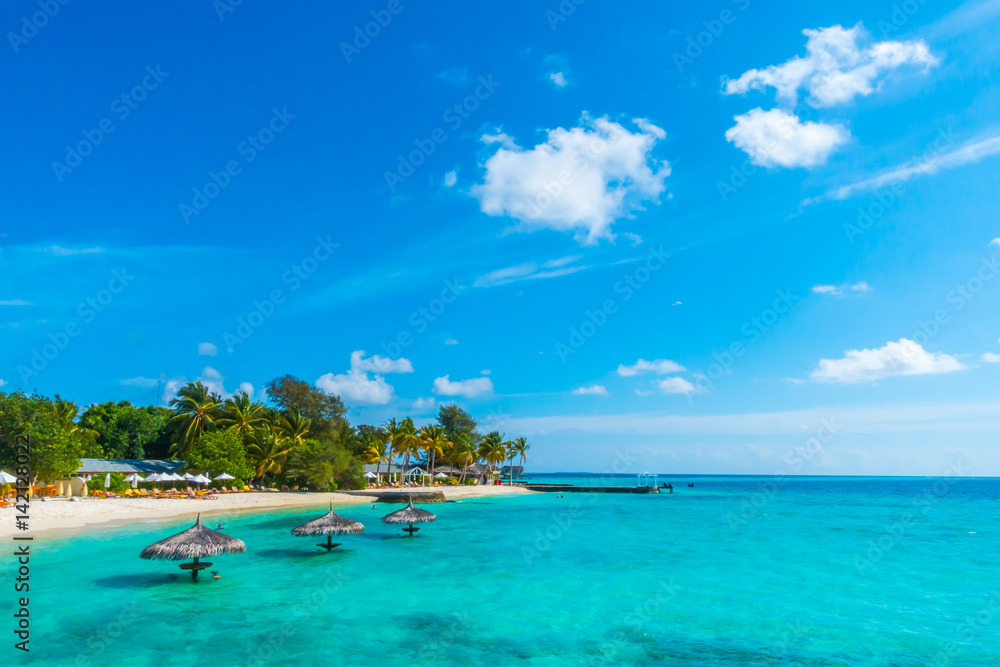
<point x="194" y="570"/>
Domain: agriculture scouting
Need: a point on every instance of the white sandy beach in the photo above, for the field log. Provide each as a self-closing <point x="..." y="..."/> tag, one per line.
<point x="54" y="518"/>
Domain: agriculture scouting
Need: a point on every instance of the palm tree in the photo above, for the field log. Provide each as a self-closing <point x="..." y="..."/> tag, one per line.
<point x="293" y="425"/>
<point x="242" y="414"/>
<point x="376" y="451"/>
<point x="519" y="446"/>
<point x="463" y="453"/>
<point x="192" y="415"/>
<point x="493" y="449"/>
<point x="435" y="443"/>
<point x="268" y="450"/>
<point x="392" y="432"/>
<point x="407" y="441"/>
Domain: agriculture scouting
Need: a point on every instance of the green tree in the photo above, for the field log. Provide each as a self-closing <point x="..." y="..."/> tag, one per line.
<point x="268" y="451"/>
<point x="493" y="449"/>
<point x="435" y="444"/>
<point x="519" y="446"/>
<point x="294" y="425"/>
<point x="324" y="466"/>
<point x="463" y="453"/>
<point x="57" y="444"/>
<point x="121" y="429"/>
<point x="326" y="411"/>
<point x="406" y="441"/>
<point x="241" y="414"/>
<point x="220" y="451"/>
<point x="194" y="409"/>
<point x="454" y="420"/>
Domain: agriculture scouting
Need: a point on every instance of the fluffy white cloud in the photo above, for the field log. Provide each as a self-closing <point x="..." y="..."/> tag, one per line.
<point x="597" y="389"/>
<point x="207" y="349"/>
<point x="995" y="241"/>
<point x="450" y="179"/>
<point x="840" y="63"/>
<point x="581" y="179"/>
<point x="658" y="366"/>
<point x="860" y="286"/>
<point x="2" y="382"/>
<point x="675" y="386"/>
<point x="467" y="388"/>
<point x="777" y="138"/>
<point x="357" y="386"/>
<point x="990" y="357"/>
<point x="377" y="364"/>
<point x="903" y="357"/>
<point x="423" y="403"/>
<point x="559" y="79"/>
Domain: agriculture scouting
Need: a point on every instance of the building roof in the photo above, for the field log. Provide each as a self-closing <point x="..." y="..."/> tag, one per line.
<point x="393" y="468"/>
<point x="127" y="466"/>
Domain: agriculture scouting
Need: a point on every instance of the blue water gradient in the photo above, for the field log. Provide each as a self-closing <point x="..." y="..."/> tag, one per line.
<point x="734" y="571"/>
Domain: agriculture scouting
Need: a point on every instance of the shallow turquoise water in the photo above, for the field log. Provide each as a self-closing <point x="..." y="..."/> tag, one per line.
<point x="710" y="575"/>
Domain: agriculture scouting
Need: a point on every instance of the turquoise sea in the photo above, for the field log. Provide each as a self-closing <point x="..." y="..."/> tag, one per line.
<point x="734" y="571"/>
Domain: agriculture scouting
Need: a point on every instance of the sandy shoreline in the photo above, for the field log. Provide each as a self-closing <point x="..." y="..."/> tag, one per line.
<point x="54" y="519"/>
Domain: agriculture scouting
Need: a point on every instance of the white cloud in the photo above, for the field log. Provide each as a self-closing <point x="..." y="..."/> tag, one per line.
<point x="140" y="382"/>
<point x="860" y="286"/>
<point x="423" y="403"/>
<point x="675" y="386"/>
<point x="247" y="387"/>
<point x="207" y="349"/>
<point x="776" y="138"/>
<point x="485" y="371"/>
<point x="634" y="238"/>
<point x="553" y="268"/>
<point x="597" y="389"/>
<point x="213" y="380"/>
<point x="936" y="160"/>
<point x="467" y="388"/>
<point x="377" y="364"/>
<point x="2" y="382"/>
<point x="658" y="366"/>
<point x="903" y="357"/>
<point x="15" y="302"/>
<point x="995" y="241"/>
<point x="677" y="303"/>
<point x="450" y="179"/>
<point x="357" y="386"/>
<point x="990" y="357"/>
<point x="840" y="63"/>
<point x="559" y="79"/>
<point x="581" y="179"/>
<point x="450" y="341"/>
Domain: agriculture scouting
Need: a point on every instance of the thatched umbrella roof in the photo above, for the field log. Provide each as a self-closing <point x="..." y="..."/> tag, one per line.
<point x="195" y="542"/>
<point x="410" y="515"/>
<point x="330" y="523"/>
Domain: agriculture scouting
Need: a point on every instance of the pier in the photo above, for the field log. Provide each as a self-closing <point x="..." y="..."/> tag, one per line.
<point x="569" y="488"/>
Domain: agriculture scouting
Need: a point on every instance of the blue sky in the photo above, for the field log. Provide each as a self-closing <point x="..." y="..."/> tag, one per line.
<point x="686" y="238"/>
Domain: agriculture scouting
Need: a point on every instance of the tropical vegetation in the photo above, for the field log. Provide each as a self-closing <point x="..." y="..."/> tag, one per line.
<point x="297" y="435"/>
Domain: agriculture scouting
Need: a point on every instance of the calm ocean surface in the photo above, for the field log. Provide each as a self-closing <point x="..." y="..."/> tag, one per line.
<point x="735" y="571"/>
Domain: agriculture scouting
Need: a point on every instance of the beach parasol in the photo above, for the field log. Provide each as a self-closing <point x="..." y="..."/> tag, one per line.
<point x="370" y="475"/>
<point x="135" y="479"/>
<point x="200" y="479"/>
<point x="7" y="478"/>
<point x="195" y="542"/>
<point x="107" y="480"/>
<point x="329" y="524"/>
<point x="187" y="475"/>
<point x="440" y="475"/>
<point x="224" y="476"/>
<point x="409" y="515"/>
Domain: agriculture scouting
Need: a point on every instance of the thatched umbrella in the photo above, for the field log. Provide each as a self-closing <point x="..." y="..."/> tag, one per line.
<point x="195" y="542"/>
<point x="409" y="515"/>
<point x="329" y="524"/>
